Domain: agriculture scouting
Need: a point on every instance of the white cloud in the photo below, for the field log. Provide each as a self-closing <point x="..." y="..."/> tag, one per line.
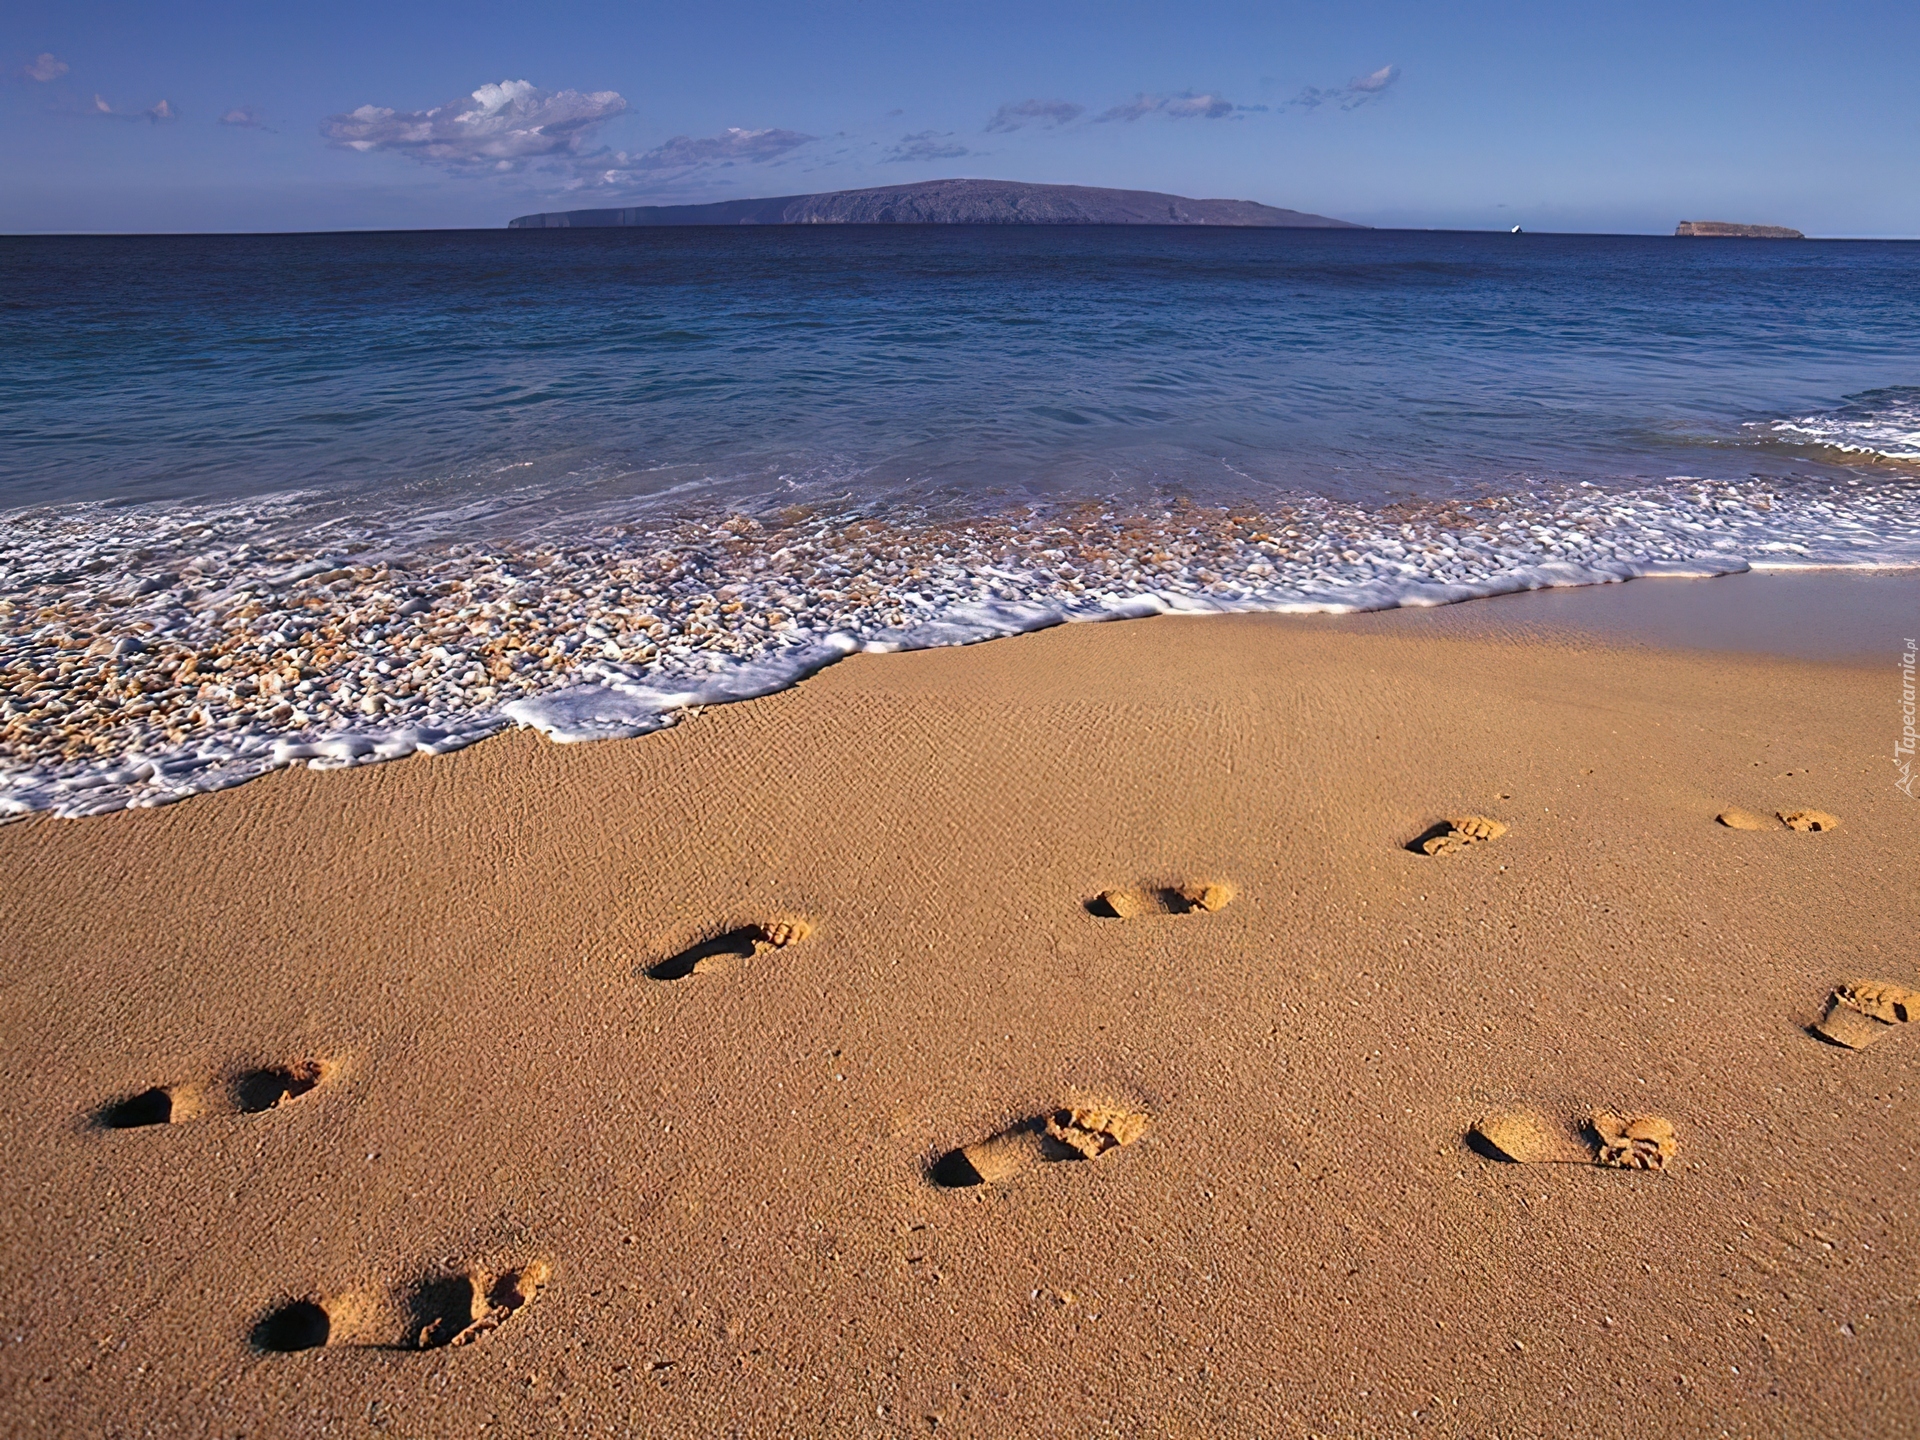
<point x="245" y="116"/>
<point x="46" y="67"/>
<point x="160" y="111"/>
<point x="1189" y="106"/>
<point x="927" y="145"/>
<point x="1012" y="116"/>
<point x="1360" y="90"/>
<point x="498" y="128"/>
<point x="1376" y="82"/>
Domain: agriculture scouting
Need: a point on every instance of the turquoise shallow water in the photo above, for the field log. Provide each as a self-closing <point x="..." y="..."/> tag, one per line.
<point x="339" y="498"/>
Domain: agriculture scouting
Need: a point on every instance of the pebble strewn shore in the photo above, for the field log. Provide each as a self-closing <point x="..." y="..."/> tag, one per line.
<point x="146" y="655"/>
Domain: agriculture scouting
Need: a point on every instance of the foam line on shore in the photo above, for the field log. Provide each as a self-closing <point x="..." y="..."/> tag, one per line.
<point x="152" y="654"/>
<point x="613" y="703"/>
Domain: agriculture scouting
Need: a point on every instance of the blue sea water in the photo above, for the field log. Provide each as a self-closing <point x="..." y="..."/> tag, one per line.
<point x="930" y="363"/>
<point x="528" y="472"/>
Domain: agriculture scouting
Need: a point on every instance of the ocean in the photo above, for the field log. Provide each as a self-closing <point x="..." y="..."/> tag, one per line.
<point x="339" y="498"/>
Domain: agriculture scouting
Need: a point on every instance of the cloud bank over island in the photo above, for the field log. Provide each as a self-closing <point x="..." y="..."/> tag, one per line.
<point x="1189" y="106"/>
<point x="732" y="146"/>
<point x="1049" y="113"/>
<point x="925" y="146"/>
<point x="550" y="138"/>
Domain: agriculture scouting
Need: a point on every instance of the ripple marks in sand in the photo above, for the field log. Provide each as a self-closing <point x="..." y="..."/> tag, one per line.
<point x="1863" y="1011"/>
<point x="243" y="1092"/>
<point x="1187" y="897"/>
<point x="724" y="951"/>
<point x="1451" y="836"/>
<point x="1620" y="1142"/>
<point x="1077" y="1133"/>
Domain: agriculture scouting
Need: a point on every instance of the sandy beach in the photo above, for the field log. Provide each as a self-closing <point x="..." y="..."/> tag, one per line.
<point x="1050" y="1037"/>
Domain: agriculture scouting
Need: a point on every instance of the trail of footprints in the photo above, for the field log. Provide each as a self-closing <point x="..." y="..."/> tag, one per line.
<point x="454" y="1309"/>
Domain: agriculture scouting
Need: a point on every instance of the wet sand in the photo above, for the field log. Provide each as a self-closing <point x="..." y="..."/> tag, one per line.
<point x="619" y="1088"/>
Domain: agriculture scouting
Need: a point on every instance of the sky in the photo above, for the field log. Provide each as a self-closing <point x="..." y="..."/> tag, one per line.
<point x="142" y="116"/>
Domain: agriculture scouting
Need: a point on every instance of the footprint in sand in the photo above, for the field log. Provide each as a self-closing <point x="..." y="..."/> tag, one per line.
<point x="439" y="1311"/>
<point x="461" y="1309"/>
<point x="1189" y="897"/>
<point x="307" y="1324"/>
<point x="1621" y="1142"/>
<point x="1806" y="821"/>
<point x="1450" y="836"/>
<point x="723" y="952"/>
<point x="1862" y="1011"/>
<point x="1080" y="1133"/>
<point x="243" y="1092"/>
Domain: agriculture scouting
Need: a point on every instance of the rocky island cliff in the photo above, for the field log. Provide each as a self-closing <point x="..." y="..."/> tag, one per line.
<point x="1718" y="228"/>
<point x="951" y="202"/>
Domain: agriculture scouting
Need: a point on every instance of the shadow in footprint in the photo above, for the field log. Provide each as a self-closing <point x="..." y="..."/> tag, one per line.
<point x="734" y="945"/>
<point x="1433" y="834"/>
<point x="1196" y="898"/>
<point x="449" y="1311"/>
<point x="740" y="944"/>
<point x="259" y="1090"/>
<point x="1074" y="1134"/>
<point x="954" y="1171"/>
<point x="1486" y="1149"/>
<point x="149" y="1107"/>
<point x="303" y="1325"/>
<point x="439" y="1311"/>
<point x="1449" y="837"/>
<point x="1861" y="1012"/>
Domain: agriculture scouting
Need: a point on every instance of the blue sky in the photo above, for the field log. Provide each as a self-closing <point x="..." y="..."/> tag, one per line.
<point x="1624" y="117"/>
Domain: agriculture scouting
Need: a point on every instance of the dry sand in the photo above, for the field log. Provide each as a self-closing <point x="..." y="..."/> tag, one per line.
<point x="1236" y="1187"/>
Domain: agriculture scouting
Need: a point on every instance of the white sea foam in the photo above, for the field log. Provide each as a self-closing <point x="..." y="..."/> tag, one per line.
<point x="151" y="653"/>
<point x="1882" y="425"/>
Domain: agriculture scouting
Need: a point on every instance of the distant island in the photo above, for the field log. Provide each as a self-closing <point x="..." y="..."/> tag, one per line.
<point x="951" y="202"/>
<point x="1719" y="228"/>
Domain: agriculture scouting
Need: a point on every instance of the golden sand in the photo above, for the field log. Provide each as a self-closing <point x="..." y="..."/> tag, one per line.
<point x="619" y="1088"/>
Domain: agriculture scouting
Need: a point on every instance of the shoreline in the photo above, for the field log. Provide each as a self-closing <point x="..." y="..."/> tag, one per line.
<point x="1832" y="615"/>
<point x="716" y="1202"/>
<point x="612" y="698"/>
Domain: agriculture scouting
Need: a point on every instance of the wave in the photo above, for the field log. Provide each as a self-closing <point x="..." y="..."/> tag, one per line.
<point x="1878" y="425"/>
<point x="150" y="653"/>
